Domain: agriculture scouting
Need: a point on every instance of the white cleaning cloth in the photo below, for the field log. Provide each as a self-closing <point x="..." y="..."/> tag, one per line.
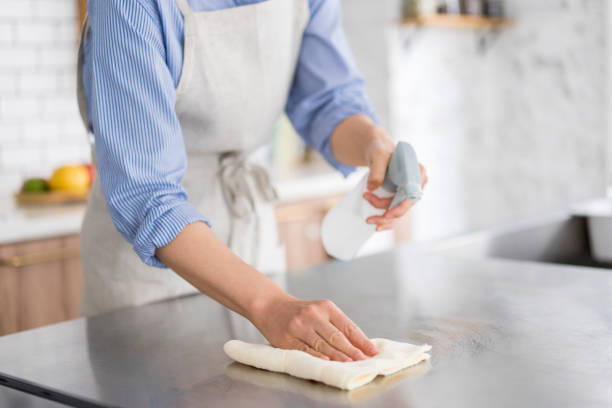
<point x="392" y="357"/>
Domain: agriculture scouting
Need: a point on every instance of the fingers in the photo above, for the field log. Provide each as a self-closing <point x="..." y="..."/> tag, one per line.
<point x="352" y="332"/>
<point x="377" y="202"/>
<point x="304" y="328"/>
<point x="301" y="346"/>
<point x="387" y="227"/>
<point x="338" y="340"/>
<point x="379" y="161"/>
<point x="322" y="330"/>
<point x="320" y="345"/>
<point x="424" y="178"/>
<point x="385" y="221"/>
<point x="399" y="210"/>
<point x="382" y="223"/>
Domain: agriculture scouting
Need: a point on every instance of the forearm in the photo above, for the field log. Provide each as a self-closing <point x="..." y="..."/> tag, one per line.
<point x="355" y="138"/>
<point x="198" y="256"/>
<point x="315" y="327"/>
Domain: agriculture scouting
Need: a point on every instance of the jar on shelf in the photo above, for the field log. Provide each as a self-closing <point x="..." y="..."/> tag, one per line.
<point x="455" y="6"/>
<point x="474" y="7"/>
<point x="494" y="8"/>
<point x="428" y="7"/>
<point x="410" y="8"/>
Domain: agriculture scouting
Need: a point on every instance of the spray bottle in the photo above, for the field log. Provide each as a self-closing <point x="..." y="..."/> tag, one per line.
<point x="344" y="230"/>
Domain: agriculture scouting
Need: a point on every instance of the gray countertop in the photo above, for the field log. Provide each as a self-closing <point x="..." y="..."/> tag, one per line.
<point x="17" y="399"/>
<point x="25" y="223"/>
<point x="504" y="334"/>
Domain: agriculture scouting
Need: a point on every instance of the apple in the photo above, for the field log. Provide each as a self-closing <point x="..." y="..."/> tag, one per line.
<point x="92" y="172"/>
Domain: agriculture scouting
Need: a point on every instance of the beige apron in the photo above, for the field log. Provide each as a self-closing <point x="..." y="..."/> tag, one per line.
<point x="237" y="72"/>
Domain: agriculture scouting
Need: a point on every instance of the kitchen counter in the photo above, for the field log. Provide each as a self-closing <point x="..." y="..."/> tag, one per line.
<point x="504" y="334"/>
<point x="11" y="398"/>
<point x="25" y="223"/>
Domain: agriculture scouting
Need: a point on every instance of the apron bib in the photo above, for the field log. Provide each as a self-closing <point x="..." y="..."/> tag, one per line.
<point x="237" y="72"/>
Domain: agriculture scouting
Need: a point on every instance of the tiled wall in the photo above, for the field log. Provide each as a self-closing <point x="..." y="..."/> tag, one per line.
<point x="511" y="128"/>
<point x="39" y="123"/>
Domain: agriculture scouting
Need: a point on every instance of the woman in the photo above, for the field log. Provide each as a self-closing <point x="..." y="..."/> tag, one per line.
<point x="177" y="94"/>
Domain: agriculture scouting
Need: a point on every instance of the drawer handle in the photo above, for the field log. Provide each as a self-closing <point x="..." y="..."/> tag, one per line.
<point x="19" y="261"/>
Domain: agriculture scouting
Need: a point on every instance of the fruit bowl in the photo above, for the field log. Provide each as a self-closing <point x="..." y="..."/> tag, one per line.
<point x="68" y="184"/>
<point x="51" y="197"/>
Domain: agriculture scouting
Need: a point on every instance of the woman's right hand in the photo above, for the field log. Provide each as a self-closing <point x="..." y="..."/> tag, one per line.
<point x="318" y="327"/>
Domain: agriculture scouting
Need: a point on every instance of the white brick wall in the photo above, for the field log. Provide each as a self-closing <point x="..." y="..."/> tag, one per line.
<point x="35" y="32"/>
<point x="6" y="33"/>
<point x="40" y="127"/>
<point x="56" y="9"/>
<point x="16" y="9"/>
<point x="16" y="59"/>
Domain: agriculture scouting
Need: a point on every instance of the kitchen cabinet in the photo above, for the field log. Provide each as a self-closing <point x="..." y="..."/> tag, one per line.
<point x="299" y="229"/>
<point x="40" y="283"/>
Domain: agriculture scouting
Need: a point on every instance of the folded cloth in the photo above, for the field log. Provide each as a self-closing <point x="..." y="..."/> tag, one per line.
<point x="322" y="392"/>
<point x="392" y="357"/>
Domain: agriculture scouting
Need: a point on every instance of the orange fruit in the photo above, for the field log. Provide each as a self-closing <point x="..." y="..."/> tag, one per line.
<point x="74" y="179"/>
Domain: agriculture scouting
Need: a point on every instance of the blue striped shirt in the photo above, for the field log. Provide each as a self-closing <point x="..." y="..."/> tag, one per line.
<point x="133" y="62"/>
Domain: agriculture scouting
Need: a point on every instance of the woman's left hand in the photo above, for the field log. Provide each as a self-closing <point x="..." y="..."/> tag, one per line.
<point x="379" y="154"/>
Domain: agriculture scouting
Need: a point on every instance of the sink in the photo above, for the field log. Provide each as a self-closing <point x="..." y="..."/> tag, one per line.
<point x="558" y="239"/>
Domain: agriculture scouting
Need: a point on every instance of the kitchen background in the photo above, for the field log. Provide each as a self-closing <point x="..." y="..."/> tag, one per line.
<point x="509" y="114"/>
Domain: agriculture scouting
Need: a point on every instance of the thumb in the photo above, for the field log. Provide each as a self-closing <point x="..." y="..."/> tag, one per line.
<point x="378" y="170"/>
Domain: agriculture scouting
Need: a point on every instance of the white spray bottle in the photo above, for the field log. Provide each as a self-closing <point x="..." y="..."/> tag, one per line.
<point x="344" y="230"/>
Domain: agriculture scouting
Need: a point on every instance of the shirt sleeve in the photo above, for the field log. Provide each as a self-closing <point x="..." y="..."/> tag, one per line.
<point x="138" y="141"/>
<point x="327" y="87"/>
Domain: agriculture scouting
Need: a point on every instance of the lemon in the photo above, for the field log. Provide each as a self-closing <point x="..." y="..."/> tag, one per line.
<point x="74" y="179"/>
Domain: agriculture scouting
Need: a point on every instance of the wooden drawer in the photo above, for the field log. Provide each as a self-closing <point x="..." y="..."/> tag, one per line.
<point x="299" y="228"/>
<point x="40" y="283"/>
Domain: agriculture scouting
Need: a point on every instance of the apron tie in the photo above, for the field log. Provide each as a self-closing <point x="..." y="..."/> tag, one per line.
<point x="234" y="174"/>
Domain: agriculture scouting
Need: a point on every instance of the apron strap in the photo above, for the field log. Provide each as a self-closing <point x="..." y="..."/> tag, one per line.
<point x="82" y="101"/>
<point x="185" y="8"/>
<point x="234" y="174"/>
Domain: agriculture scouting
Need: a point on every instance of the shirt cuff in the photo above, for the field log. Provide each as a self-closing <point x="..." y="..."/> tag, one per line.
<point x="326" y="125"/>
<point x="163" y="230"/>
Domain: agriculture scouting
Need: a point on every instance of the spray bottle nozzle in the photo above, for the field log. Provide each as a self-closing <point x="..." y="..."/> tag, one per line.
<point x="403" y="175"/>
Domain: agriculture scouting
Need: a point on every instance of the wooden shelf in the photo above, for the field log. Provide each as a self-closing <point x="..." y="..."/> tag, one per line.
<point x="458" y="21"/>
<point x="51" y="198"/>
<point x="82" y="11"/>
